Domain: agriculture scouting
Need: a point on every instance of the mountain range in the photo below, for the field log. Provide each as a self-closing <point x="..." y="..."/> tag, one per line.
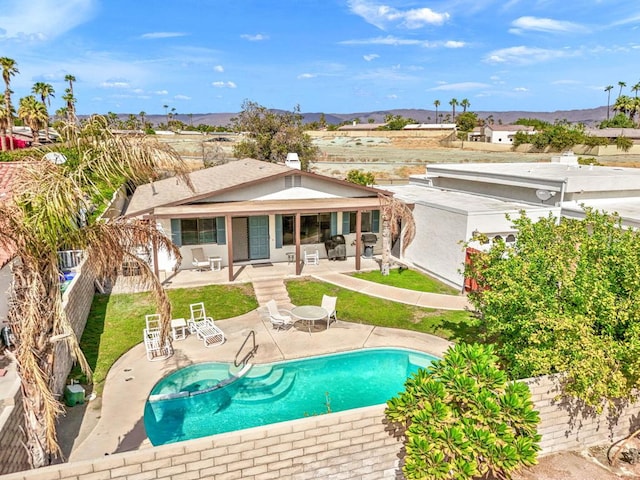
<point x="589" y="117"/>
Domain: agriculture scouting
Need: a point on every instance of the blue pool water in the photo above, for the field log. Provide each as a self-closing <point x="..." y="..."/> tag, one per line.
<point x="275" y="392"/>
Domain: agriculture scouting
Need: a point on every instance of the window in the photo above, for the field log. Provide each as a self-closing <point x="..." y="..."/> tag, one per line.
<point x="196" y="231"/>
<point x="369" y="222"/>
<point x="313" y="228"/>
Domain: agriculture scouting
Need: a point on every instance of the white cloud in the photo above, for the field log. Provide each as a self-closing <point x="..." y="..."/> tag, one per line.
<point x="520" y="89"/>
<point x="115" y="84"/>
<point x="522" y="55"/>
<point x="155" y="35"/>
<point x="454" y="44"/>
<point x="566" y="82"/>
<point x="383" y="16"/>
<point x="392" y="96"/>
<point x="224" y="84"/>
<point x="547" y="25"/>
<point x="41" y="20"/>
<point x="303" y="76"/>
<point x="161" y="92"/>
<point x="461" y="86"/>
<point x="181" y="97"/>
<point x="218" y="68"/>
<point x="371" y="56"/>
<point x="255" y="38"/>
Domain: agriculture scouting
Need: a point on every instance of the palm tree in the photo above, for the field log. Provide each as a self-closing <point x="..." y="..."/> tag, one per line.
<point x="34" y="114"/>
<point x="166" y="112"/>
<point x="43" y="220"/>
<point x="142" y="115"/>
<point x="608" y="89"/>
<point x="436" y="103"/>
<point x="396" y="218"/>
<point x="453" y="102"/>
<point x="635" y="89"/>
<point x="9" y="69"/>
<point x="45" y="91"/>
<point x="465" y="104"/>
<point x="621" y="84"/>
<point x="70" y="99"/>
<point x="4" y="123"/>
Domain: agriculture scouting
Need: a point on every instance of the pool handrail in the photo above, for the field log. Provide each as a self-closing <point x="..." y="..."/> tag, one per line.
<point x="250" y="353"/>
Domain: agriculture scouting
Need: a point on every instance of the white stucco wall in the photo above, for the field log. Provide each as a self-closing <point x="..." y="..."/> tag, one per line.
<point x="5" y="284"/>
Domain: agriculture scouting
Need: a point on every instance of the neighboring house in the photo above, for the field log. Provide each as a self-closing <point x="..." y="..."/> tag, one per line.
<point x="452" y="201"/>
<point x="613" y="133"/>
<point x="250" y="211"/>
<point x="504" y="134"/>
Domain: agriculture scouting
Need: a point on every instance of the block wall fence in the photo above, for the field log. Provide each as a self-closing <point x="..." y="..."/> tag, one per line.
<point x="355" y="444"/>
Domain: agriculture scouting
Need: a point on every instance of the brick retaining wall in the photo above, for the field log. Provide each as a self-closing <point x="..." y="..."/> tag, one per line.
<point x="567" y="424"/>
<point x="346" y="445"/>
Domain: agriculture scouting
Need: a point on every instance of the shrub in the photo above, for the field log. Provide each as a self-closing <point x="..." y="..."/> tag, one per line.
<point x="461" y="419"/>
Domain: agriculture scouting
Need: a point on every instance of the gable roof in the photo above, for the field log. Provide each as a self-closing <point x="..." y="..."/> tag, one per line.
<point x="214" y="180"/>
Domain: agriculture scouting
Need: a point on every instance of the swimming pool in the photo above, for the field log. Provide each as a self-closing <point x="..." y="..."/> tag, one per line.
<point x="275" y="392"/>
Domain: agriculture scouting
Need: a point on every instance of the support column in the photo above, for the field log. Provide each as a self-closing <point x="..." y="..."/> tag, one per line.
<point x="229" y="234"/>
<point x="298" y="260"/>
<point x="358" y="235"/>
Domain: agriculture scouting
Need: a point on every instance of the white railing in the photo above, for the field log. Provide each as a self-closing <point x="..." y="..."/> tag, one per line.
<point x="68" y="259"/>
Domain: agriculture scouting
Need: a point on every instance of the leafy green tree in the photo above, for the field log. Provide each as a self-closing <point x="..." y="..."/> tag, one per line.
<point x="360" y="177"/>
<point x="396" y="122"/>
<point x="466" y="121"/>
<point x="618" y="121"/>
<point x="462" y="419"/>
<point x="565" y="299"/>
<point x="269" y="135"/>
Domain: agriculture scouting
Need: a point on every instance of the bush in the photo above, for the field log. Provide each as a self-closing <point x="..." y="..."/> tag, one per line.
<point x="461" y="419"/>
<point x="624" y="143"/>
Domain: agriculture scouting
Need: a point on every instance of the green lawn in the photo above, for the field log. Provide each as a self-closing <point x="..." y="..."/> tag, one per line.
<point x="360" y="308"/>
<point x="115" y="322"/>
<point x="409" y="279"/>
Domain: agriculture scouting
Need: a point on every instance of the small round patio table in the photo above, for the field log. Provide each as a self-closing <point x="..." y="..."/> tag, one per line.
<point x="310" y="314"/>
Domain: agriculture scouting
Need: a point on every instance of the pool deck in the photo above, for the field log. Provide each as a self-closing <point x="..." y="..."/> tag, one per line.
<point x="114" y="423"/>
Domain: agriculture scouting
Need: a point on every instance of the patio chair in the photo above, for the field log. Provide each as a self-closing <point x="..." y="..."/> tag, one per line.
<point x="153" y="321"/>
<point x="156" y="349"/>
<point x="199" y="260"/>
<point x="329" y="304"/>
<point x="280" y="319"/>
<point x="311" y="258"/>
<point x="203" y="326"/>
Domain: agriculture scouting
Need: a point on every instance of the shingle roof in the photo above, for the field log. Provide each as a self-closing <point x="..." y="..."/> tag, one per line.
<point x="221" y="177"/>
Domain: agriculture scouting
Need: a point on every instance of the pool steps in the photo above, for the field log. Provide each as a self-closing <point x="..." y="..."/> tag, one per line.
<point x="261" y="392"/>
<point x="223" y="383"/>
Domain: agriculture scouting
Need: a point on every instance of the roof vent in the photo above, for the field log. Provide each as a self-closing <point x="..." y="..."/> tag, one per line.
<point x="293" y="161"/>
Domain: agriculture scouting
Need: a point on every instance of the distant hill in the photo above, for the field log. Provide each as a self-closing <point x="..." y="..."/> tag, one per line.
<point x="589" y="116"/>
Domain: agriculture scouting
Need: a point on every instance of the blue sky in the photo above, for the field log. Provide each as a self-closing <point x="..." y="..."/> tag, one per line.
<point x="332" y="56"/>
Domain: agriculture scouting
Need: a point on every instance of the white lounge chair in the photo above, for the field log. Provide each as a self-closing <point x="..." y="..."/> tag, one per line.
<point x="153" y="321"/>
<point x="280" y="319"/>
<point x="329" y="304"/>
<point x="203" y="326"/>
<point x="156" y="349"/>
<point x="199" y="260"/>
<point x="311" y="258"/>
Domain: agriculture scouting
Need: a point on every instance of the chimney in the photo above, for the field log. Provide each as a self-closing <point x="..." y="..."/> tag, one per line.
<point x="293" y="161"/>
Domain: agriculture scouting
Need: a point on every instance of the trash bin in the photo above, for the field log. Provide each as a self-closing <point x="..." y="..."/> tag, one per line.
<point x="73" y="395"/>
<point x="6" y="336"/>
